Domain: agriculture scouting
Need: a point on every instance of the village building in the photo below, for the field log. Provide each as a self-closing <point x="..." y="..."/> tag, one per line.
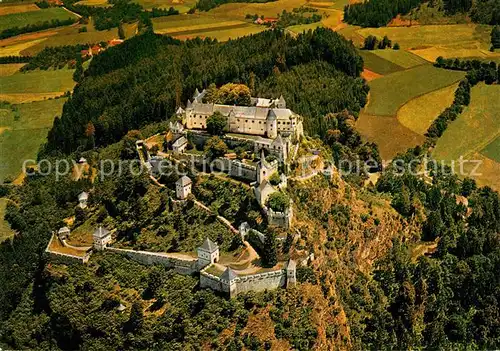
<point x="208" y="253"/>
<point x="180" y="144"/>
<point x="82" y="199"/>
<point x="101" y="237"/>
<point x="183" y="187"/>
<point x="265" y="117"/>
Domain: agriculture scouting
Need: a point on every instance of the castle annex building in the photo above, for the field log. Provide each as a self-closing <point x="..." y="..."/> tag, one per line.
<point x="265" y="117"/>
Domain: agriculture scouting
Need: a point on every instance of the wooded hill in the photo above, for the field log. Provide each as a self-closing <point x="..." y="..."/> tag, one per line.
<point x="146" y="78"/>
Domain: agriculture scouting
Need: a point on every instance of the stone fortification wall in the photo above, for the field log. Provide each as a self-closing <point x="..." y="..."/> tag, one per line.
<point x="182" y="266"/>
<point x="261" y="281"/>
<point x="65" y="258"/>
<point x="280" y="219"/>
<point x="253" y="282"/>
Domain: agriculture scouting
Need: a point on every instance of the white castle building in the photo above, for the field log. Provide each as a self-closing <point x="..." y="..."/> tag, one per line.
<point x="265" y="117"/>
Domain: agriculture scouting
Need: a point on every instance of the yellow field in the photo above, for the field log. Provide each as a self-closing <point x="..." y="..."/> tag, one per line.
<point x="16" y="49"/>
<point x="419" y="113"/>
<point x="9" y="69"/>
<point x="269" y="9"/>
<point x="7" y="9"/>
<point x="432" y="53"/>
<point x="390" y="135"/>
<point x="200" y="27"/>
<point x="182" y="6"/>
<point x="102" y="3"/>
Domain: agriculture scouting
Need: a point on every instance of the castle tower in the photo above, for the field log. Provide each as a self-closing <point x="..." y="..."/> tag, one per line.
<point x="263" y="169"/>
<point x="183" y="187"/>
<point x="281" y="102"/>
<point x="271" y="125"/>
<point x="228" y="281"/>
<point x="82" y="199"/>
<point x="208" y="253"/>
<point x="291" y="269"/>
<point x="102" y="237"/>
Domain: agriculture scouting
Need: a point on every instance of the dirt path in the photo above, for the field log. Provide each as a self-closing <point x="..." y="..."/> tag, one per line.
<point x="74" y="13"/>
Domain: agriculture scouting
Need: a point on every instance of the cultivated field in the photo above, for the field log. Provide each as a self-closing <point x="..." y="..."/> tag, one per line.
<point x="389" y="93"/>
<point x="8" y="69"/>
<point x="492" y="150"/>
<point x="182" y="6"/>
<point x="401" y="58"/>
<point x="419" y="113"/>
<point x="204" y="25"/>
<point x="37" y="82"/>
<point x="269" y="9"/>
<point x="390" y="135"/>
<point x="5" y="231"/>
<point x="474" y="135"/>
<point x="8" y="9"/>
<point x="33" y="17"/>
<point x="431" y="41"/>
<point x="475" y="128"/>
<point x="23" y="132"/>
<point x="377" y="64"/>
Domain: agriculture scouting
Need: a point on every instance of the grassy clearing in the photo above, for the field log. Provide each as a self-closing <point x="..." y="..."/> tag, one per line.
<point x="401" y="58"/>
<point x="378" y="64"/>
<point x="7" y="9"/>
<point x="33" y="17"/>
<point x="492" y="150"/>
<point x="389" y="93"/>
<point x="390" y="135"/>
<point x="419" y="113"/>
<point x="5" y="231"/>
<point x="21" y="138"/>
<point x="475" y="128"/>
<point x="8" y="69"/>
<point x="38" y="82"/>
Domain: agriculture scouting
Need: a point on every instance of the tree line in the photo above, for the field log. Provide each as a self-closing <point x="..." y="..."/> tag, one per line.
<point x="55" y="57"/>
<point x="30" y="28"/>
<point x="378" y="13"/>
<point x="477" y="71"/>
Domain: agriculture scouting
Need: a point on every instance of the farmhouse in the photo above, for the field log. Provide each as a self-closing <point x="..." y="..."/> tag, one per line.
<point x="265" y="117"/>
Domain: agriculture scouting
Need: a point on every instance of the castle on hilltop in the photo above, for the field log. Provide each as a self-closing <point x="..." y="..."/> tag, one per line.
<point x="264" y="117"/>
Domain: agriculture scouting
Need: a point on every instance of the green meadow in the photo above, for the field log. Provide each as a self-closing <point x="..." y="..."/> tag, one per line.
<point x="23" y="128"/>
<point x="33" y="17"/>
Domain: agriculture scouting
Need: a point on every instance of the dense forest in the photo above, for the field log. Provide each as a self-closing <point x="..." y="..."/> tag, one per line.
<point x="146" y="78"/>
<point x="377" y="13"/>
